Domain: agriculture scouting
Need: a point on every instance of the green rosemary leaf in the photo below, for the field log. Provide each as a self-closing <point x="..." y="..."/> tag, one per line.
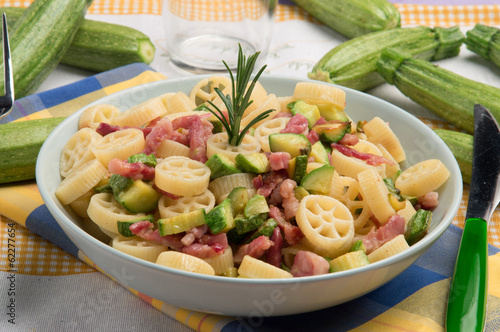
<point x="238" y="102"/>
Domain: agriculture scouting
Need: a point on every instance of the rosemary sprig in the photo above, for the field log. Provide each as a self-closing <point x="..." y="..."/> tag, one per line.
<point x="240" y="100"/>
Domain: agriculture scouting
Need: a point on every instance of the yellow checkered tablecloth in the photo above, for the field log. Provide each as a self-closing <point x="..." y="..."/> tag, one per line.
<point x="38" y="257"/>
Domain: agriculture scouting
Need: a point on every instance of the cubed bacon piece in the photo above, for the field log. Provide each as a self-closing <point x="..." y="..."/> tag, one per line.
<point x="144" y="230"/>
<point x="297" y="125"/>
<point x="135" y="171"/>
<point x="203" y="250"/>
<point x="105" y="129"/>
<point x="292" y="233"/>
<point x="307" y="263"/>
<point x="394" y="226"/>
<point x="429" y="201"/>
<point x="207" y="245"/>
<point x="313" y="137"/>
<point x="256" y="248"/>
<point x="278" y="160"/>
<point x="273" y="254"/>
<point x="160" y="131"/>
<point x="370" y="158"/>
<point x="349" y="139"/>
<point x="269" y="181"/>
<point x="289" y="203"/>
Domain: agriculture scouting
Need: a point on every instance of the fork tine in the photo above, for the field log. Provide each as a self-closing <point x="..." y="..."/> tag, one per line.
<point x="8" y="75"/>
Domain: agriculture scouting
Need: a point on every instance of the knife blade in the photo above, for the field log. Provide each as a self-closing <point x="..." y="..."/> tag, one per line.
<point x="466" y="309"/>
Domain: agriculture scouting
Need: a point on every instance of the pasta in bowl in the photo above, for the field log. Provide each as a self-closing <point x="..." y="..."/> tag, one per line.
<point x="187" y="243"/>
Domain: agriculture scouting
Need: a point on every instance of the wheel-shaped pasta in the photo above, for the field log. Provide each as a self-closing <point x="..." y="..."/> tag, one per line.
<point x="376" y="194"/>
<point x="255" y="268"/>
<point x="78" y="150"/>
<point x="120" y="144"/>
<point x="138" y="247"/>
<point x="352" y="166"/>
<point x="394" y="246"/>
<point x="348" y="191"/>
<point x="218" y="143"/>
<point x="97" y="114"/>
<point x="268" y="127"/>
<point x="170" y="148"/>
<point x="223" y="262"/>
<point x="223" y="185"/>
<point x="168" y="207"/>
<point x="320" y="94"/>
<point x="81" y="204"/>
<point x="141" y="114"/>
<point x="178" y="103"/>
<point x="326" y="223"/>
<point x="204" y="90"/>
<point x="181" y="261"/>
<point x="258" y="95"/>
<point x="270" y="102"/>
<point x="422" y="178"/>
<point x="182" y="176"/>
<point x="105" y="211"/>
<point x="378" y="131"/>
<point x="80" y="181"/>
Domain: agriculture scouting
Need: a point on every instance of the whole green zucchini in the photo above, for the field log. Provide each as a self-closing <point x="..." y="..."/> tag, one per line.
<point x="39" y="39"/>
<point x="461" y="145"/>
<point x="353" y="18"/>
<point x="20" y="143"/>
<point x="100" y="46"/>
<point x="485" y="41"/>
<point x="353" y="64"/>
<point x="443" y="92"/>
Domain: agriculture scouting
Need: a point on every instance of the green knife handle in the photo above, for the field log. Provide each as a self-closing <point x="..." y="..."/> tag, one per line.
<point x="468" y="291"/>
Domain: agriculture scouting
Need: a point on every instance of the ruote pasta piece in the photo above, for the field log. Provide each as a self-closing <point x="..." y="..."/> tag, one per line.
<point x="120" y="144"/>
<point x="258" y="95"/>
<point x="378" y="131"/>
<point x="182" y="176"/>
<point x="80" y="181"/>
<point x="94" y="115"/>
<point x="204" y="90"/>
<point x="268" y="127"/>
<point x="218" y="143"/>
<point x="326" y="223"/>
<point x="270" y="102"/>
<point x="138" y="247"/>
<point x="81" y="204"/>
<point x="254" y="268"/>
<point x="422" y="178"/>
<point x="168" y="207"/>
<point x="180" y="261"/>
<point x="105" y="211"/>
<point x="394" y="246"/>
<point x="348" y="191"/>
<point x="78" y="150"/>
<point x="376" y="194"/>
<point x="141" y="114"/>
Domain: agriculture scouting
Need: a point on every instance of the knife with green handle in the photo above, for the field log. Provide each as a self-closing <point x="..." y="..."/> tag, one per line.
<point x="469" y="286"/>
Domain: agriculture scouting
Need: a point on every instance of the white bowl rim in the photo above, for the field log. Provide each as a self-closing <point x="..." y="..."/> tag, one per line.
<point x="423" y="244"/>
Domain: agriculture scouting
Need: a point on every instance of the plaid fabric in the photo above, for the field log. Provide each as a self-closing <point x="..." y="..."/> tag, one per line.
<point x="414" y="301"/>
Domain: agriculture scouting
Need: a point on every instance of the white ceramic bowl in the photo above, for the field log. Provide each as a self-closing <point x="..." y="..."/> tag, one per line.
<point x="248" y="297"/>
